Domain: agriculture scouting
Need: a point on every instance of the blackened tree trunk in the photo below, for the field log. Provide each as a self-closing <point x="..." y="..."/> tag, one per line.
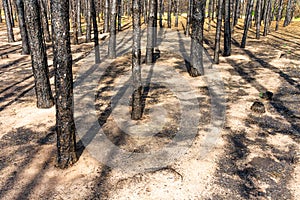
<point x="177" y="12"/>
<point x="44" y="18"/>
<point x="22" y="25"/>
<point x="95" y="28"/>
<point x="247" y="22"/>
<point x="11" y="14"/>
<point x="258" y="18"/>
<point x="161" y="12"/>
<point x="267" y="17"/>
<point x="112" y="29"/>
<point x="278" y="17"/>
<point x="119" y="15"/>
<point x="237" y="12"/>
<point x="151" y="32"/>
<point x="136" y="112"/>
<point x="288" y="16"/>
<point x="74" y="21"/>
<point x="198" y="16"/>
<point x="38" y="54"/>
<point x="65" y="126"/>
<point x="227" y="29"/>
<point x="88" y="20"/>
<point x="78" y="17"/>
<point x="9" y="26"/>
<point x="218" y="32"/>
<point x="188" y="20"/>
<point x="169" y="19"/>
<point x="209" y="15"/>
<point x="106" y="17"/>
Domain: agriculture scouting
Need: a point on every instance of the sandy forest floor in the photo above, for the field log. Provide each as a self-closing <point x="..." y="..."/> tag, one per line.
<point x="250" y="156"/>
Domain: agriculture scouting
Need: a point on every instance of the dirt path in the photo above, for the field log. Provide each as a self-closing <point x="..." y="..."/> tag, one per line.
<point x="234" y="154"/>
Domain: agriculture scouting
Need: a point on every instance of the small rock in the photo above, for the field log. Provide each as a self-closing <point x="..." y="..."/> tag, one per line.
<point x="258" y="107"/>
<point x="266" y="95"/>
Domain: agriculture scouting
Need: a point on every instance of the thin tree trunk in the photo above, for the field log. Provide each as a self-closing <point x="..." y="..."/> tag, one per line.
<point x="278" y="17"/>
<point x="88" y="20"/>
<point x="169" y="13"/>
<point x="189" y="16"/>
<point x="198" y="16"/>
<point x="119" y="15"/>
<point x="106" y="17"/>
<point x="145" y="11"/>
<point x="38" y="54"/>
<point x="218" y="32"/>
<point x="136" y="112"/>
<point x="95" y="28"/>
<point x="9" y="26"/>
<point x="237" y="11"/>
<point x="23" y="29"/>
<point x="227" y="29"/>
<point x="209" y="15"/>
<point x="112" y="29"/>
<point x="11" y="14"/>
<point x="150" y="32"/>
<point x="62" y="62"/>
<point x="44" y="19"/>
<point x="247" y="23"/>
<point x="288" y="16"/>
<point x="74" y="21"/>
<point x="258" y="18"/>
<point x="78" y="17"/>
<point x="161" y="10"/>
<point x="177" y="12"/>
<point x="267" y="17"/>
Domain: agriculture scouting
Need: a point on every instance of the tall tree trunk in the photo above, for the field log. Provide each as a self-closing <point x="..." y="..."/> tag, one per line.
<point x="145" y="11"/>
<point x="136" y="112"/>
<point x="258" y="18"/>
<point x="237" y="12"/>
<point x="177" y="12"/>
<point x="95" y="28"/>
<point x="38" y="54"/>
<point x="106" y="17"/>
<point x="218" y="32"/>
<point x="45" y="24"/>
<point x="198" y="16"/>
<point x="227" y="29"/>
<point x="62" y="62"/>
<point x="22" y="25"/>
<point x="112" y="29"/>
<point x="209" y="15"/>
<point x="161" y="12"/>
<point x="9" y="26"/>
<point x="267" y="17"/>
<point x="88" y="20"/>
<point x="119" y="15"/>
<point x="278" y="17"/>
<point x="189" y="16"/>
<point x="151" y="32"/>
<point x="169" y="13"/>
<point x="78" y="17"/>
<point x="74" y="21"/>
<point x="11" y="13"/>
<point x="247" y="22"/>
<point x="288" y="16"/>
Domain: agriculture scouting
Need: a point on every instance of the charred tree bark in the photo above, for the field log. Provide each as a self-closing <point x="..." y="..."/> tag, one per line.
<point x="151" y="29"/>
<point x="189" y="16"/>
<point x="95" y="28"/>
<point x="65" y="126"/>
<point x="278" y="17"/>
<point x="237" y="12"/>
<point x="267" y="18"/>
<point x="258" y="18"/>
<point x="74" y="21"/>
<point x="288" y="16"/>
<point x="218" y="32"/>
<point x="106" y="17"/>
<point x="198" y="16"/>
<point x="169" y="13"/>
<point x="119" y="15"/>
<point x="78" y="17"/>
<point x="112" y="30"/>
<point x="209" y="15"/>
<point x="177" y="12"/>
<point x="23" y="29"/>
<point x="44" y="18"/>
<point x="9" y="26"/>
<point x="88" y="20"/>
<point x="38" y="55"/>
<point x="161" y="12"/>
<point x="11" y="14"/>
<point x="227" y="29"/>
<point x="247" y="22"/>
<point x="136" y="112"/>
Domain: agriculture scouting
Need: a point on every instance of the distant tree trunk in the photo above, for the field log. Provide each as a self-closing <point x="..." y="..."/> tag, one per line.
<point x="209" y="15"/>
<point x="11" y="14"/>
<point x="22" y="25"/>
<point x="38" y="54"/>
<point x="258" y="18"/>
<point x="106" y="17"/>
<point x="44" y="18"/>
<point x="213" y="10"/>
<point x="189" y="16"/>
<point x="136" y="112"/>
<point x="247" y="22"/>
<point x="78" y="17"/>
<point x="288" y="16"/>
<point x="278" y="17"/>
<point x="9" y="26"/>
<point x="95" y="28"/>
<point x="237" y="12"/>
<point x="119" y="15"/>
<point x="177" y="12"/>
<point x="151" y="32"/>
<point x="267" y="17"/>
<point x="88" y="20"/>
<point x="169" y="13"/>
<point x="112" y="29"/>
<point x="273" y="11"/>
<point x="145" y="11"/>
<point x="227" y="29"/>
<point x="161" y="12"/>
<point x="62" y="62"/>
<point x="198" y="16"/>
<point x="218" y="32"/>
<point x="74" y="21"/>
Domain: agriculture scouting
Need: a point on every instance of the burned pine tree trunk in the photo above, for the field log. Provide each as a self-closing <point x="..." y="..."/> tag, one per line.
<point x="62" y="62"/>
<point x="209" y="15"/>
<point x="278" y="17"/>
<point x="267" y="18"/>
<point x="177" y="12"/>
<point x="38" y="54"/>
<point x="136" y="112"/>
<point x="119" y="15"/>
<point x="189" y="16"/>
<point x="145" y="11"/>
<point x="198" y="16"/>
<point x="44" y="18"/>
<point x="73" y="12"/>
<point x="151" y="29"/>
<point x="161" y="13"/>
<point x="247" y="22"/>
<point x="112" y="30"/>
<point x="9" y="26"/>
<point x="237" y="11"/>
<point x="22" y="25"/>
<point x="288" y="16"/>
<point x="106" y="16"/>
<point x="78" y="17"/>
<point x="169" y="19"/>
<point x="88" y="20"/>
<point x="258" y="18"/>
<point x="95" y="28"/>
<point x="218" y="32"/>
<point x="227" y="29"/>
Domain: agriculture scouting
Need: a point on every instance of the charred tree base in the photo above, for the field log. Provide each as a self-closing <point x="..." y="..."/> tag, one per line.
<point x="137" y="109"/>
